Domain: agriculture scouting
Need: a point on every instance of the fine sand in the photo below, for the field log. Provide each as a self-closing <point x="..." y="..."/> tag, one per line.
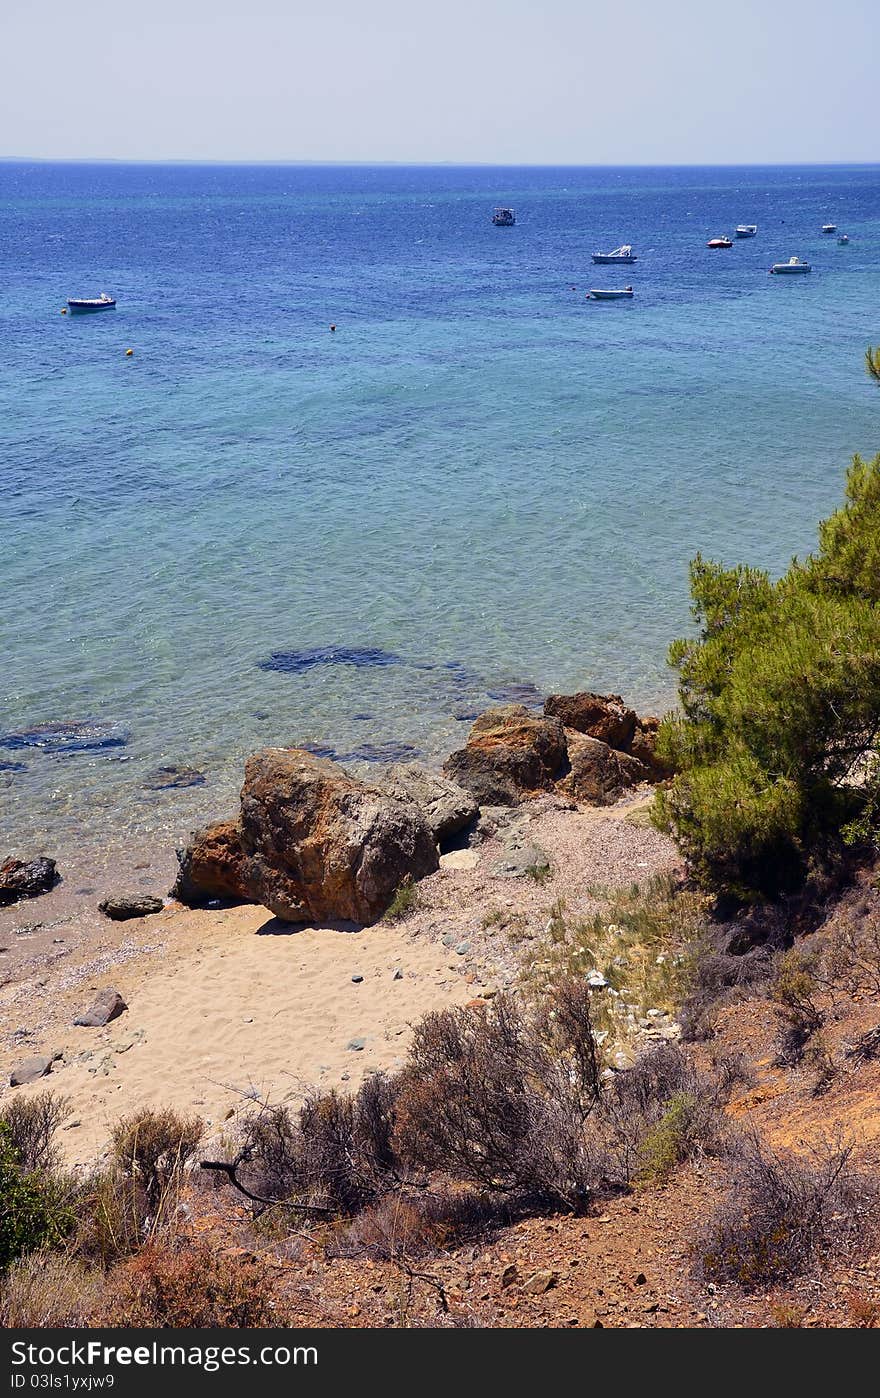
<point x="228" y="1006"/>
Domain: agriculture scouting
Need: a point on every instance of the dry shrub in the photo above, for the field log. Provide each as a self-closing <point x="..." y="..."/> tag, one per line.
<point x="336" y="1152"/>
<point x="498" y="1099"/>
<point x="788" y="1315"/>
<point x="793" y="990"/>
<point x="852" y="953"/>
<point x="784" y="1211"/>
<point x="189" y="1286"/>
<point x="31" y="1124"/>
<point x="662" y="1112"/>
<point x="863" y="1311"/>
<point x="152" y="1148"/>
<point x="49" y="1290"/>
<point x="135" y="1198"/>
<point x="393" y="1229"/>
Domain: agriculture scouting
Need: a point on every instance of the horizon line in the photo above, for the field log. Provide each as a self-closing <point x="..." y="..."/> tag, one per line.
<point x="299" y="163"/>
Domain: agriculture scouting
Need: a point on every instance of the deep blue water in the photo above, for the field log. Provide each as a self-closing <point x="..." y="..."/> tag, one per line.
<point x="480" y="474"/>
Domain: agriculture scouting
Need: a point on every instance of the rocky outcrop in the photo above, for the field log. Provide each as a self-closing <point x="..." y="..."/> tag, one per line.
<point x="26" y="878"/>
<point x="602" y="716"/>
<point x="312" y="843"/>
<point x="510" y="755"/>
<point x="211" y="866"/>
<point x="129" y="905"/>
<point x="106" y="1006"/>
<point x="644" y="747"/>
<point x="607" y="718"/>
<point x="448" y="808"/>
<point x="598" y="775"/>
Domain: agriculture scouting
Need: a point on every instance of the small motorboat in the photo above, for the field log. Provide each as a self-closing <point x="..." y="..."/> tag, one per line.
<point x="843" y="240"/>
<point x="624" y="294"/>
<point x="621" y="254"/>
<point x="746" y="230"/>
<point x="81" y="305"/>
<point x="794" y="264"/>
<point x="720" y="243"/>
<point x="504" y="218"/>
<point x="829" y="227"/>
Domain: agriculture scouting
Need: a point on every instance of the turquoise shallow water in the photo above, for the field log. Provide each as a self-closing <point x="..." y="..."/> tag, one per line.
<point x="480" y="476"/>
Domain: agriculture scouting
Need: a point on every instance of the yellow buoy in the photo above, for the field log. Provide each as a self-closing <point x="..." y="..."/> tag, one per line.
<point x="129" y="352"/>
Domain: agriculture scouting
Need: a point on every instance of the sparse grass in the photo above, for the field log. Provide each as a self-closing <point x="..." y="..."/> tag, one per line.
<point x="49" y="1290"/>
<point x="405" y="902"/>
<point x="516" y="925"/>
<point x="538" y="872"/>
<point x="788" y="1315"/>
<point x="643" y="942"/>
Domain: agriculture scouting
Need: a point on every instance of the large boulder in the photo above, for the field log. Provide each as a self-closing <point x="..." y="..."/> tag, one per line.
<point x="602" y="716"/>
<point x="598" y="775"/>
<point x="511" y="754"/>
<point x="26" y="878"/>
<point x="211" y="866"/>
<point x="448" y="808"/>
<point x="313" y="844"/>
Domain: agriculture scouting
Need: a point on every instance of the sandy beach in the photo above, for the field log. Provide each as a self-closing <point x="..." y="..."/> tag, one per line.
<point x="228" y="1005"/>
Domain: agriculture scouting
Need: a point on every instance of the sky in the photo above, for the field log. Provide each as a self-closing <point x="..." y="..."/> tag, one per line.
<point x="495" y="81"/>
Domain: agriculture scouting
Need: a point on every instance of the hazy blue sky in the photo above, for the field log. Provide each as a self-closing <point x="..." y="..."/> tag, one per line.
<point x="569" y="81"/>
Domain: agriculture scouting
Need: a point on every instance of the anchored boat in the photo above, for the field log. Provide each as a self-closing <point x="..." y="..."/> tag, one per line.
<point x="746" y="230"/>
<point x="624" y="294"/>
<point x="81" y="305"/>
<point x="504" y="218"/>
<point x="829" y="227"/>
<point x="621" y="254"/>
<point x="794" y="264"/>
<point x="719" y="243"/>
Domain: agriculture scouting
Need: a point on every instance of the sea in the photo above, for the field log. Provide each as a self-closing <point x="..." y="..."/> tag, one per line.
<point x="255" y="529"/>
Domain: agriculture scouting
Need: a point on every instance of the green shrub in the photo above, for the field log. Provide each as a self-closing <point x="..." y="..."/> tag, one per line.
<point x="780" y="709"/>
<point x="33" y="1208"/>
<point x="403" y="904"/>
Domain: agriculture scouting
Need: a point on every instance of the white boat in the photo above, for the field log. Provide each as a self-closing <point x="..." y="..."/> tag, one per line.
<point x="80" y="305"/>
<point x="504" y="218"/>
<point x="829" y="227"/>
<point x="621" y="254"/>
<point x="793" y="264"/>
<point x="746" y="230"/>
<point x="625" y="293"/>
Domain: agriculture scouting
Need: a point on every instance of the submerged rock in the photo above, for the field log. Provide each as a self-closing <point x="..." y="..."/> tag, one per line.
<point x="106" y="1006"/>
<point x="391" y="751"/>
<point x="129" y="905"/>
<point x="447" y="806"/>
<point x="295" y="662"/>
<point x="510" y="754"/>
<point x="312" y="843"/>
<point x="87" y="735"/>
<point x="13" y="767"/>
<point x="173" y="778"/>
<point x="517" y="692"/>
<point x="26" y="878"/>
